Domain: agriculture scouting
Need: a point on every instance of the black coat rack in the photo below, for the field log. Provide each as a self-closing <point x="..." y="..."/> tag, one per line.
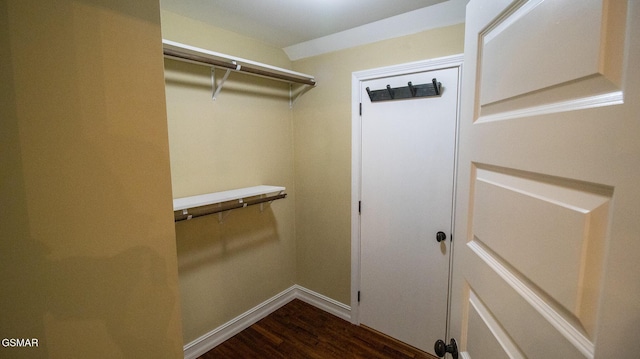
<point x="410" y="91"/>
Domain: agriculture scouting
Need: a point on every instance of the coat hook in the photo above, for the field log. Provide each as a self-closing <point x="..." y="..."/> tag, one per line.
<point x="427" y="89"/>
<point x="390" y="91"/>
<point x="412" y="89"/>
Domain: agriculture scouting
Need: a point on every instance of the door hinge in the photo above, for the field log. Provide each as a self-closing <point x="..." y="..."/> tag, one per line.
<point x="358" y="296"/>
<point x="360" y="108"/>
<point x="360" y="207"/>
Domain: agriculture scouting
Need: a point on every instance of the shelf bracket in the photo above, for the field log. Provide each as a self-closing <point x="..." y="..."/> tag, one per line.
<point x="200" y="56"/>
<point x="293" y="101"/>
<point x="216" y="88"/>
<point x="222" y="215"/>
<point x="268" y="202"/>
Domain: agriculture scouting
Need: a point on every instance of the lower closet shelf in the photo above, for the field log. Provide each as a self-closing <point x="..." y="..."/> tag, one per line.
<point x="218" y="202"/>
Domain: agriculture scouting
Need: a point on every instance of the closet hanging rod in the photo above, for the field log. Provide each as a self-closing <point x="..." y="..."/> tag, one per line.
<point x="192" y="54"/>
<point x="199" y="60"/>
<point x="178" y="216"/>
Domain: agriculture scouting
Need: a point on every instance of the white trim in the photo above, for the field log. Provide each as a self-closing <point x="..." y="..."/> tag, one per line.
<point x="215" y="337"/>
<point x="607" y="99"/>
<point x="504" y="340"/>
<point x="440" y="15"/>
<point x="325" y="303"/>
<point x="554" y="317"/>
<point x="238" y="62"/>
<point x="408" y="68"/>
<point x="356" y="144"/>
<point x="223" y="196"/>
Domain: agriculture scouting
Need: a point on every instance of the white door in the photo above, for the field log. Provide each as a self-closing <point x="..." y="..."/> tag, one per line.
<point x="408" y="151"/>
<point x="547" y="229"/>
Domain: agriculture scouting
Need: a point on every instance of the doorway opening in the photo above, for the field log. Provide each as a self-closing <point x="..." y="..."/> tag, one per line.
<point x="447" y="70"/>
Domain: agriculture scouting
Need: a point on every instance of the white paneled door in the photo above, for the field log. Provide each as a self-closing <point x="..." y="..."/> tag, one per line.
<point x="547" y="222"/>
<point x="408" y="149"/>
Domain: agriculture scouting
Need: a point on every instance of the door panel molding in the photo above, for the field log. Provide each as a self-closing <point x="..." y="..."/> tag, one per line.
<point x="547" y="195"/>
<point x="486" y="330"/>
<point x="536" y="69"/>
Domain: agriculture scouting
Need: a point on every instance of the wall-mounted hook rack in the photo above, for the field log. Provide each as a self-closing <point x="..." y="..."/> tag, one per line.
<point x="410" y="91"/>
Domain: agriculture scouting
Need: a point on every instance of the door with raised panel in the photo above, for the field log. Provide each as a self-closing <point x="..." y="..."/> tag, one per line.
<point x="547" y="229"/>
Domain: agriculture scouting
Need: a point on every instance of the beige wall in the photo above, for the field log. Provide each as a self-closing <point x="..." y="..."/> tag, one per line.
<point x="89" y="257"/>
<point x="244" y="138"/>
<point x="249" y="136"/>
<point x="322" y="133"/>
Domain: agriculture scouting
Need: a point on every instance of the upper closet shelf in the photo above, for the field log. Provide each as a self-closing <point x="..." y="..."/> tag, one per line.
<point x="195" y="206"/>
<point x="196" y="55"/>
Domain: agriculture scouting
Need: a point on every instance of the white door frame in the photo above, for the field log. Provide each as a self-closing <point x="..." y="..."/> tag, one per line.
<point x="356" y="146"/>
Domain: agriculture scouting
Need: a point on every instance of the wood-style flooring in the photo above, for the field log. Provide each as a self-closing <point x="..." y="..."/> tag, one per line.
<point x="300" y="330"/>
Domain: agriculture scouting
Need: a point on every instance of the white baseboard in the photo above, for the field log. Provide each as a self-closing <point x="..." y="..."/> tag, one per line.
<point x="217" y="336"/>
<point x="320" y="301"/>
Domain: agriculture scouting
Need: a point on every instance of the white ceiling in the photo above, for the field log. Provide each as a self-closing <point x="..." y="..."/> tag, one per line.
<point x="288" y="24"/>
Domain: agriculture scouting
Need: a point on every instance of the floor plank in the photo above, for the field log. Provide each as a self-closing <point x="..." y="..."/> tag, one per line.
<point x="300" y="330"/>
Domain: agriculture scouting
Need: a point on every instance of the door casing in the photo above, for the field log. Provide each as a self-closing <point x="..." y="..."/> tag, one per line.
<point x="454" y="61"/>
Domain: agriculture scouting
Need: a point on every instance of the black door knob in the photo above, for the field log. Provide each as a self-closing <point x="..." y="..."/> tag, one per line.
<point x="440" y="236"/>
<point x="441" y="348"/>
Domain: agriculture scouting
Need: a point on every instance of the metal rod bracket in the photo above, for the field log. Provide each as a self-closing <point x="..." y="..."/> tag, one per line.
<point x="218" y="87"/>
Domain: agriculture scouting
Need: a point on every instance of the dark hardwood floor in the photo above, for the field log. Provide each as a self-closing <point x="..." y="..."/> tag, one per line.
<point x="300" y="330"/>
